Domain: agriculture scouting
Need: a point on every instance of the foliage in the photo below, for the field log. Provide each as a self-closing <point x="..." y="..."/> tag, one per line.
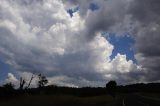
<point x="8" y="86"/>
<point x="7" y="89"/>
<point x="42" y="81"/>
<point x="111" y="88"/>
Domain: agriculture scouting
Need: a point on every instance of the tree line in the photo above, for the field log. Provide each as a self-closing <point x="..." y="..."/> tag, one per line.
<point x="111" y="88"/>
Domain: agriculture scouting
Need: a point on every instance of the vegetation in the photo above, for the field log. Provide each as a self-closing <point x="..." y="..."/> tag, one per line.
<point x="22" y="82"/>
<point x="111" y="88"/>
<point x="61" y="96"/>
<point x="8" y="86"/>
<point x="42" y="81"/>
<point x="59" y="100"/>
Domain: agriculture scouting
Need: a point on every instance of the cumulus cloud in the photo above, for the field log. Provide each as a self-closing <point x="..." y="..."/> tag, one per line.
<point x="139" y="18"/>
<point x="12" y="79"/>
<point x="38" y="36"/>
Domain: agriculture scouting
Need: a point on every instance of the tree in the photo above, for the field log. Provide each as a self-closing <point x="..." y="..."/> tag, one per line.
<point x="8" y="86"/>
<point x="30" y="82"/>
<point x="22" y="83"/>
<point x="111" y="88"/>
<point x="42" y="81"/>
<point x="8" y="89"/>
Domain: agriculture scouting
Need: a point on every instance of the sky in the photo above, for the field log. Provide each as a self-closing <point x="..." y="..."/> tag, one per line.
<point x="80" y="43"/>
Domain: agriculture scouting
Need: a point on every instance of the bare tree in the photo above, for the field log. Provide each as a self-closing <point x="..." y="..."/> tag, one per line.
<point x="30" y="81"/>
<point x="22" y="83"/>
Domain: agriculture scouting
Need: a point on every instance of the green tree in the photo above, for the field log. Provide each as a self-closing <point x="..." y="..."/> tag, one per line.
<point x="111" y="88"/>
<point x="42" y="81"/>
<point x="8" y="86"/>
<point x="8" y="89"/>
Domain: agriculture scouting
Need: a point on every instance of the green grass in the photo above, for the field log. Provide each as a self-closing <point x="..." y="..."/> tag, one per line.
<point x="61" y="100"/>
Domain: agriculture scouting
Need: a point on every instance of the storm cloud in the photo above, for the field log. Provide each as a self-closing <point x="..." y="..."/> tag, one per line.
<point x="39" y="36"/>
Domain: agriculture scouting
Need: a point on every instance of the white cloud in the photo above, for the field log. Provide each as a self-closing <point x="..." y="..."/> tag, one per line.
<point x="41" y="37"/>
<point x="12" y="79"/>
<point x="121" y="64"/>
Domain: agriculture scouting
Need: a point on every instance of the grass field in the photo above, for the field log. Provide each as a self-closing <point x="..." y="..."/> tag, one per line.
<point x="151" y="95"/>
<point x="61" y="100"/>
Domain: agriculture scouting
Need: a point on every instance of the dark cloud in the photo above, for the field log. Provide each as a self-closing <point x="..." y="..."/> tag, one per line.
<point x="42" y="38"/>
<point x="143" y="18"/>
<point x="146" y="13"/>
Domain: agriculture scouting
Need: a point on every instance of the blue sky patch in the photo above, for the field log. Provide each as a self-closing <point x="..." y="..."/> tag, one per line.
<point x="4" y="70"/>
<point x="72" y="10"/>
<point x="93" y="6"/>
<point x="122" y="44"/>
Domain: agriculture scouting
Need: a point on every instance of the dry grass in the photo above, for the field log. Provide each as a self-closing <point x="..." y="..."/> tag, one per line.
<point x="151" y="95"/>
<point x="45" y="100"/>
